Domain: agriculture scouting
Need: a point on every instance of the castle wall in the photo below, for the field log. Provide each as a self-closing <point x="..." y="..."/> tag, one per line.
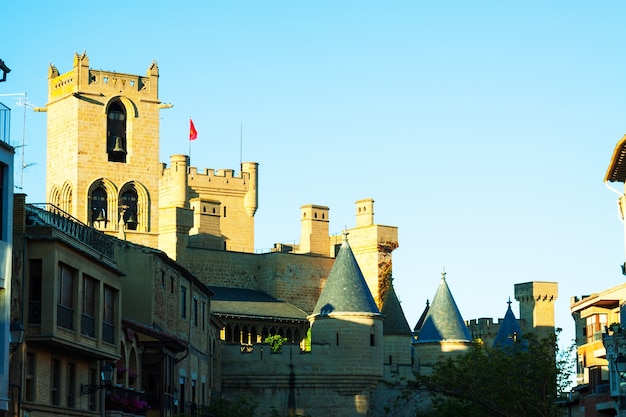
<point x="313" y="384"/>
<point x="296" y="279"/>
<point x="397" y="358"/>
<point x="428" y="353"/>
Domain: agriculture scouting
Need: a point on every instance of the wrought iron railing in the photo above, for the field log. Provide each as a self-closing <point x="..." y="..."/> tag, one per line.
<point x="108" y="332"/>
<point x="65" y="317"/>
<point x="88" y="325"/>
<point x="51" y="215"/>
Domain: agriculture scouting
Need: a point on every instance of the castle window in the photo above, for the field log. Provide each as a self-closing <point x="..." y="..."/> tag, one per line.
<point x="116" y="132"/>
<point x="372" y="339"/>
<point x="129" y="208"/>
<point x="224" y="211"/>
<point x="99" y="206"/>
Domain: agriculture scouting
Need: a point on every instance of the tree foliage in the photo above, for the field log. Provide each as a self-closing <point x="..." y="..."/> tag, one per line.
<point x="516" y="381"/>
<point x="276" y="342"/>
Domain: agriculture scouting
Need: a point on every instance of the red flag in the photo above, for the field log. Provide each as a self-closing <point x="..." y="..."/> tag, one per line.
<point x="193" y="134"/>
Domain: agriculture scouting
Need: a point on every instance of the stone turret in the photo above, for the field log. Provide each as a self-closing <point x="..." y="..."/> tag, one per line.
<point x="443" y="331"/>
<point x="397" y="339"/>
<point x="314" y="237"/>
<point x="347" y="320"/>
<point x="509" y="331"/>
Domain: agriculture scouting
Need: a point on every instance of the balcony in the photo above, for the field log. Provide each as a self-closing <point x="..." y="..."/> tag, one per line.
<point x="5" y="123"/>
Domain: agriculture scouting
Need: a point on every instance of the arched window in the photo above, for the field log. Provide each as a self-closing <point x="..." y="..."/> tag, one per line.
<point x="98" y="207"/>
<point x="129" y="208"/>
<point x="116" y="132"/>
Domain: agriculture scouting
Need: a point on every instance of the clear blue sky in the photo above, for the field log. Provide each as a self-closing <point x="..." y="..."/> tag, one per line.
<point x="483" y="130"/>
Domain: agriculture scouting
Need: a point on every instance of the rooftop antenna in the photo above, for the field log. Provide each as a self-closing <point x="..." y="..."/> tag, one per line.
<point x="22" y="100"/>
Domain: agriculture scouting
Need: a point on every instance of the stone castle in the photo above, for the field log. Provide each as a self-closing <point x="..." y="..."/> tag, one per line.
<point x="349" y="349"/>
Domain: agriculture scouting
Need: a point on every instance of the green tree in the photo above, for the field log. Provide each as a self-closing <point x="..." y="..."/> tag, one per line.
<point x="517" y="381"/>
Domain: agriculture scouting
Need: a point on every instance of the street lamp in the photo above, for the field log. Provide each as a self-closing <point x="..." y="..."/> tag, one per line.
<point x="107" y="377"/>
<point x="16" y="330"/>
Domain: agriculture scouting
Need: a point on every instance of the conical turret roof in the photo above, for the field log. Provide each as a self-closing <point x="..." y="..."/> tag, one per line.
<point x="444" y="321"/>
<point x="420" y="322"/>
<point x="395" y="321"/>
<point x="510" y="330"/>
<point x="346" y="290"/>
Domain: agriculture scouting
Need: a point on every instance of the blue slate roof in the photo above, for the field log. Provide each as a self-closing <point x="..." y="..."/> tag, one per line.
<point x="395" y="321"/>
<point x="246" y="303"/>
<point x="444" y="321"/>
<point x="346" y="290"/>
<point x="510" y="330"/>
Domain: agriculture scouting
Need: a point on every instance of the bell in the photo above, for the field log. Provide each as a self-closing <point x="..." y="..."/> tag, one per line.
<point x="100" y="217"/>
<point x="118" y="145"/>
<point x="132" y="218"/>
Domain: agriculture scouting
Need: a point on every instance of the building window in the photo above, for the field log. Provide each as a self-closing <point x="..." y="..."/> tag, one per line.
<point x="172" y="285"/>
<point x="34" y="291"/>
<point x="195" y="310"/>
<point x="203" y="315"/>
<point x="183" y="301"/>
<point x="193" y="391"/>
<point x="55" y="382"/>
<point x="93" y="380"/>
<point x="99" y="215"/>
<point x="29" y="377"/>
<point x="88" y="318"/>
<point x="372" y="339"/>
<point x="595" y="327"/>
<point x="108" y="323"/>
<point x="129" y="208"/>
<point x="65" y="307"/>
<point x="116" y="132"/>
<point x="71" y="385"/>
<point x="3" y="168"/>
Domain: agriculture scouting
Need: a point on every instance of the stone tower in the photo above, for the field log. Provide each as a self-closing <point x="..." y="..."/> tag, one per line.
<point x="103" y="168"/>
<point x="536" y="306"/>
<point x="103" y="148"/>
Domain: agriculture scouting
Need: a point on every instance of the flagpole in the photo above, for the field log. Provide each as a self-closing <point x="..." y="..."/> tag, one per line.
<point x="241" y="144"/>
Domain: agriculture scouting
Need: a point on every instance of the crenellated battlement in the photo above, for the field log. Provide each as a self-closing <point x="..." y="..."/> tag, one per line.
<point x="210" y="178"/>
<point x="99" y="83"/>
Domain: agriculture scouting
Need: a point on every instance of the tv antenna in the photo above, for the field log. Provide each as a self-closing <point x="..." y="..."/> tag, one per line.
<point x="22" y="101"/>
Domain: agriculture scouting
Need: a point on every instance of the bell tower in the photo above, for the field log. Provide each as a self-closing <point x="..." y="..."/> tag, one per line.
<point x="103" y="148"/>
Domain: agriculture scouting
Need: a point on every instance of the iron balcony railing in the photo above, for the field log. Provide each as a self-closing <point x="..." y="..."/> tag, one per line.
<point x="51" y="215"/>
